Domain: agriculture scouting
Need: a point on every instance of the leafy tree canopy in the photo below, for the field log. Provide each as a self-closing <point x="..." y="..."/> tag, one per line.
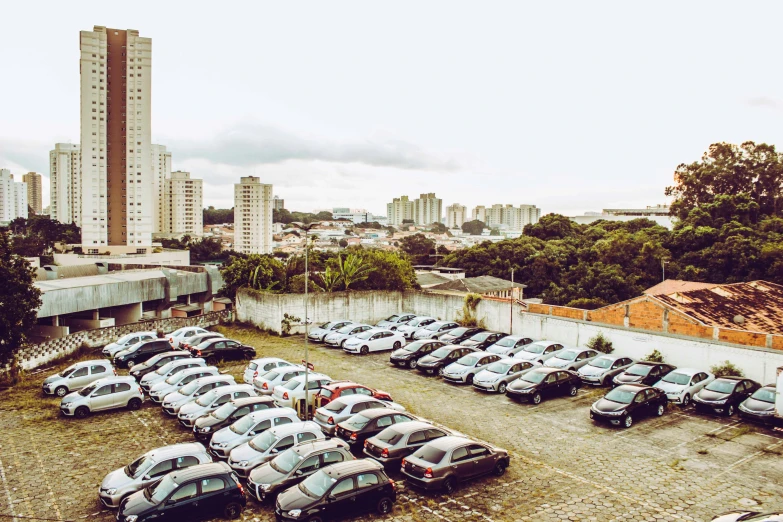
<point x="19" y="300"/>
<point x="474" y="228"/>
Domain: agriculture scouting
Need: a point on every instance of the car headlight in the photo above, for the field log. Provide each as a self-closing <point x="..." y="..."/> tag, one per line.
<point x="221" y="444"/>
<point x="243" y="464"/>
<point x="295" y="513"/>
<point x="618" y="413"/>
<point x="264" y="487"/>
<point x="131" y="518"/>
<point x="111" y="491"/>
<point x="722" y="401"/>
<point x="206" y="429"/>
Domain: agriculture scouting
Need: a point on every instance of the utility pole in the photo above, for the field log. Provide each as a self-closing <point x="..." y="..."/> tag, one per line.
<point x="663" y="269"/>
<point x="511" y="317"/>
<point x="307" y="334"/>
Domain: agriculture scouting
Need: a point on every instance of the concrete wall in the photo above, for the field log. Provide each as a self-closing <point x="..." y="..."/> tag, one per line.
<point x="167" y="257"/>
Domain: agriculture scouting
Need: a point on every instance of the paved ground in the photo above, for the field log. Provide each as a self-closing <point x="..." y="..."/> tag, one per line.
<point x="681" y="466"/>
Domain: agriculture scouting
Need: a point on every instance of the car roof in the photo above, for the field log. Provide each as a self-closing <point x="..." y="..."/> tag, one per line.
<point x="732" y="378"/>
<point x="232" y="388"/>
<point x="546" y="369"/>
<point x="377" y="412"/>
<point x="320" y="444"/>
<point x="196" y="369"/>
<point x="172" y="353"/>
<point x="271" y="412"/>
<point x="92" y="361"/>
<point x="218" y="339"/>
<point x="312" y="376"/>
<point x="545" y="343"/>
<point x="407" y="427"/>
<point x="612" y="357"/>
<point x="353" y="399"/>
<point x="295" y="427"/>
<point x="335" y="471"/>
<point x="649" y="363"/>
<point x="212" y="378"/>
<point x="115" y="378"/>
<point x="335" y="385"/>
<point x="172" y="450"/>
<point x="689" y="371"/>
<point x="198" y="471"/>
<point x="634" y="386"/>
<point x="449" y="442"/>
<point x="253" y="400"/>
<point x="508" y="360"/>
<point x="186" y="360"/>
<point x="267" y="359"/>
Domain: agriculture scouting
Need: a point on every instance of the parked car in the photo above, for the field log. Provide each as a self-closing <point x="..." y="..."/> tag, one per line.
<point x="265" y="384"/>
<point x="483" y="340"/>
<point x="214" y="350"/>
<point x="497" y="376"/>
<point x="443" y="356"/>
<point x="77" y="376"/>
<point x="604" y="368"/>
<point x="409" y="355"/>
<point x="293" y="465"/>
<point x="433" y="330"/>
<point x="361" y="426"/>
<point x="643" y="372"/>
<point x="335" y="389"/>
<point x="539" y="351"/>
<point x="509" y="345"/>
<point x="197" y="492"/>
<point x="257" y="367"/>
<point x="269" y="444"/>
<point x="337" y="338"/>
<point x="749" y="516"/>
<point x="393" y="321"/>
<point x="148" y="468"/>
<point x="338" y="410"/>
<point x="247" y="427"/>
<point x="627" y="402"/>
<point x="444" y="462"/>
<point x="153" y="363"/>
<point x="571" y="358"/>
<point x="126" y="341"/>
<point x="414" y="325"/>
<point x="539" y="383"/>
<point x="682" y="384"/>
<point x="293" y="391"/>
<point x="466" y="367"/>
<point x="192" y="391"/>
<point x="724" y="395"/>
<point x="177" y="336"/>
<point x="138" y="353"/>
<point x="340" y="490"/>
<point x="228" y="414"/>
<point x="211" y="401"/>
<point x="169" y="369"/>
<point x="760" y="407"/>
<point x="317" y="334"/>
<point x="396" y="442"/>
<point x="160" y="390"/>
<point x="373" y="341"/>
<point x="457" y="335"/>
<point x="189" y="343"/>
<point x="104" y="394"/>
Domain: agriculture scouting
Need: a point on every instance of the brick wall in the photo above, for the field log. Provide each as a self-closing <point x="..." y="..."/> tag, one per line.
<point x="742" y="337"/>
<point x="612" y="314"/>
<point x="645" y="315"/>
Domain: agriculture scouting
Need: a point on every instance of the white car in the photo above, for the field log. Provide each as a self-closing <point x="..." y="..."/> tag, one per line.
<point x="269" y="444"/>
<point x="375" y="340"/>
<point x="394" y="321"/>
<point x="414" y="325"/>
<point x="682" y="384"/>
<point x="158" y="391"/>
<point x="126" y="341"/>
<point x="343" y="408"/>
<point x="77" y="376"/>
<point x="604" y="368"/>
<point x="265" y="383"/>
<point x="211" y="401"/>
<point x="539" y="351"/>
<point x="497" y="376"/>
<point x="169" y="369"/>
<point x="572" y="358"/>
<point x="433" y="330"/>
<point x="317" y="334"/>
<point x="287" y="395"/>
<point x="177" y="336"/>
<point x="247" y="427"/>
<point x="257" y="367"/>
<point x="464" y="369"/>
<point x="103" y="394"/>
<point x="173" y="402"/>
<point x="509" y="345"/>
<point x="336" y="339"/>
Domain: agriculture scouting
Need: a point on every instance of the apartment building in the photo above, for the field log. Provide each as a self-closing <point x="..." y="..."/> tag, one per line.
<point x="253" y="204"/>
<point x="427" y="209"/>
<point x="507" y="216"/>
<point x="34" y="194"/>
<point x="65" y="166"/>
<point x="278" y="203"/>
<point x="161" y="171"/>
<point x="398" y="210"/>
<point x="183" y="205"/>
<point x="13" y="197"/>
<point x="455" y="215"/>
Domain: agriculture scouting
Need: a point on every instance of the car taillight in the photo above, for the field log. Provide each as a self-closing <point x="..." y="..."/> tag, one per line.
<point x="385" y="452"/>
<point x="115" y="371"/>
<point x="140" y="390"/>
<point x="198" y="353"/>
<point x="285" y="396"/>
<point x="353" y="436"/>
<point x="403" y="463"/>
<point x="255" y="374"/>
<point x="330" y="420"/>
<point x="264" y="386"/>
<point x="392" y="484"/>
<point x="241" y="489"/>
<point x="428" y="473"/>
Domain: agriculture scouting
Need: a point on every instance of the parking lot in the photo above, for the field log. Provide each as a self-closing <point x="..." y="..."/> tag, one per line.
<point x="681" y="466"/>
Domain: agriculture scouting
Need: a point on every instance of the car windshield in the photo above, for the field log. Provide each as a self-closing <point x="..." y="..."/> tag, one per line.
<point x="316" y="484"/>
<point x="224" y="411"/>
<point x="640" y="370"/>
<point x="205" y="400"/>
<point x="204" y="344"/>
<point x="163" y="370"/>
<point x="481" y="337"/>
<point x="125" y="338"/>
<point x="499" y="367"/>
<point x="335" y="406"/>
<point x="567" y="355"/>
<point x="346" y="329"/>
<point x="677" y="378"/>
<point x="88" y="390"/>
<point x="389" y="436"/>
<point x="468" y="360"/>
<point x="534" y="377"/>
<point x="292" y="384"/>
<point x="286" y="461"/>
<point x="324" y="326"/>
<point x="721" y="386"/>
<point x="136" y="467"/>
<point x="269" y="376"/>
<point x="365" y="335"/>
<point x="414" y="346"/>
<point x="507" y="342"/>
<point x="440" y="353"/>
<point x="458" y="331"/>
<point x="392" y="318"/>
<point x="621" y="396"/>
<point x="242" y="425"/>
<point x="430" y="454"/>
<point x="263" y="442"/>
<point x="764" y="395"/>
<point x="601" y="362"/>
<point x="434" y="327"/>
<point x="535" y="348"/>
<point x="415" y="322"/>
<point x="358" y="421"/>
<point x="68" y="371"/>
<point x="190" y="387"/>
<point x="158" y="492"/>
<point x="173" y="379"/>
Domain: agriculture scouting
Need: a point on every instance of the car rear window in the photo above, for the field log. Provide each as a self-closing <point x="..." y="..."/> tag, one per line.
<point x="252" y="366"/>
<point x="325" y="393"/>
<point x="389" y="436"/>
<point x="430" y="454"/>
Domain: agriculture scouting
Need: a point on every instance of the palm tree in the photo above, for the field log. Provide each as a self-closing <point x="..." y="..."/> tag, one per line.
<point x="329" y="278"/>
<point x="352" y="269"/>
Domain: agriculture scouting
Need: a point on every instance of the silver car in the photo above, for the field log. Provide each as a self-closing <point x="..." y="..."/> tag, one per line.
<point x="265" y="384"/>
<point x="497" y="376"/>
<point x="509" y="345"/>
<point x="539" y="351"/>
<point x="317" y="334"/>
<point x="147" y="469"/>
<point x="337" y="339"/>
<point x="178" y="380"/>
<point x="126" y="341"/>
<point x="77" y="376"/>
<point x="269" y="444"/>
<point x="343" y="408"/>
<point x="400" y="440"/>
<point x="249" y="426"/>
<point x="682" y="384"/>
<point x="414" y="325"/>
<point x="572" y="358"/>
<point x="169" y="369"/>
<point x="104" y="394"/>
<point x="603" y="369"/>
<point x="211" y="401"/>
<point x="464" y="369"/>
<point x="393" y="321"/>
<point x="260" y="366"/>
<point x="173" y="402"/>
<point x="433" y="330"/>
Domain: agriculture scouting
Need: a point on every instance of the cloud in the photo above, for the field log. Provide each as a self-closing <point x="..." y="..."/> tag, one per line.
<point x="763" y="101"/>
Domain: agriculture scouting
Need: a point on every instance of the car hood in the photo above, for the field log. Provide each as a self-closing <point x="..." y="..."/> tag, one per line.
<point x="486" y="376"/>
<point x="591" y="371"/>
<point x="521" y="385"/>
<point x="607" y="405"/>
<point x="111" y="346"/>
<point x="121" y="353"/>
<point x="175" y="397"/>
<point x="402" y="354"/>
<point x="191" y="407"/>
<point x="455" y="367"/>
<point x="429" y="359"/>
<point x="335" y="336"/>
<point x="163" y="385"/>
<point x="318" y="331"/>
<point x="354" y="340"/>
<point x="293" y="498"/>
<point x="499" y="350"/>
<point x="224" y="435"/>
<point x="527" y="356"/>
<point x="709" y="395"/>
<point x="406" y="328"/>
<point x="447" y="337"/>
<point x="135" y="504"/>
<point x="669" y="387"/>
<point x="757" y="405"/>
<point x="52" y="378"/>
<point x="266" y="474"/>
<point x="207" y="420"/>
<point x="71" y="397"/>
<point x="116" y="479"/>
<point x="153" y="376"/>
<point x="244" y="452"/>
<point x="627" y="377"/>
<point x="554" y="362"/>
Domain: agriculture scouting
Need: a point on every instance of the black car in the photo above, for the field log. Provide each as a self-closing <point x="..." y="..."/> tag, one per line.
<point x="150" y="365"/>
<point x="627" y="402"/>
<point x="543" y="382"/>
<point x="483" y="340"/>
<point x="443" y="356"/>
<point x="220" y="349"/>
<point x="198" y="492"/>
<point x="643" y="372"/>
<point x="760" y="407"/>
<point x="457" y="335"/>
<point x="227" y="414"/>
<point x="140" y="353"/>
<point x="369" y="423"/>
<point x="340" y="490"/>
<point x="724" y="395"/>
<point x="410" y="354"/>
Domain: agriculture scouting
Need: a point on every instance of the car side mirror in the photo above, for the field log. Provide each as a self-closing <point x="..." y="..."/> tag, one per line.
<point x="147" y="477"/>
<point x="299" y="473"/>
<point x="332" y="498"/>
<point x="275" y="450"/>
<point x="171" y="501"/>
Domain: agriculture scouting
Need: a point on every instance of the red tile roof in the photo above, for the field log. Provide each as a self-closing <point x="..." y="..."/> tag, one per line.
<point x="675" y="285"/>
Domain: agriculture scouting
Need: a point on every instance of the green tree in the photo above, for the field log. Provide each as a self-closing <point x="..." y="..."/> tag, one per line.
<point x="391" y="271"/>
<point x="19" y="301"/>
<point x="262" y="272"/>
<point x="342" y="243"/>
<point x="218" y="216"/>
<point x="439" y="228"/>
<point x="328" y="280"/>
<point x="474" y="228"/>
<point x="352" y="269"/>
<point x="418" y="246"/>
<point x="206" y="249"/>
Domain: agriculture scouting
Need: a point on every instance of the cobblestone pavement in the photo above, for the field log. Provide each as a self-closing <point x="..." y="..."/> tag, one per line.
<point x="681" y="466"/>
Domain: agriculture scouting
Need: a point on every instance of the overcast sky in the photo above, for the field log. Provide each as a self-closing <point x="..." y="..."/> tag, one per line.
<point x="571" y="106"/>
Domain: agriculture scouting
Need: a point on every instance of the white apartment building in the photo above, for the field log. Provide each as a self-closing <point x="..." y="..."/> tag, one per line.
<point x="117" y="182"/>
<point x="356" y="215"/>
<point x="508" y="216"/>
<point x="253" y="204"/>
<point x="399" y="209"/>
<point x="161" y="171"/>
<point x="65" y="166"/>
<point x="13" y="197"/>
<point x="455" y="215"/>
<point x="184" y="205"/>
<point x="427" y="209"/>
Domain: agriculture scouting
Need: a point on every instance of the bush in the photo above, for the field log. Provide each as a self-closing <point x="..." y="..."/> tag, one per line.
<point x="286" y="324"/>
<point x="467" y="317"/>
<point x="600" y="343"/>
<point x="726" y="369"/>
<point x="654" y="356"/>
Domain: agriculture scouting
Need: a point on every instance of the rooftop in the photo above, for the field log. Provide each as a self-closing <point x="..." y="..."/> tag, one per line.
<point x="670" y="286"/>
<point x="478" y="285"/>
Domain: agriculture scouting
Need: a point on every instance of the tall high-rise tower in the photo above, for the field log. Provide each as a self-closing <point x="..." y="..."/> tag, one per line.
<point x="34" y="194"/>
<point x="161" y="171"/>
<point x="253" y="205"/>
<point x="116" y="158"/>
<point x="65" y="164"/>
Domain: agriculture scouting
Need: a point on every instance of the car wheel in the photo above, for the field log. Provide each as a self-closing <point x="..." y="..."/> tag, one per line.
<point x="537" y="398"/>
<point x="130" y="364"/>
<point x="81" y="412"/>
<point x="500" y="468"/>
<point x="661" y="410"/>
<point x="315" y="519"/>
<point x="397" y="345"/>
<point x="61" y="391"/>
<point x="211" y="361"/>
<point x="134" y="404"/>
<point x="730" y="410"/>
<point x="248" y="356"/>
<point x="628" y="421"/>
<point x="572" y="391"/>
<point x="469" y="379"/>
<point x="430" y="372"/>
<point x="440" y="372"/>
<point x="364" y="350"/>
<point x="449" y="485"/>
<point x="412" y="364"/>
<point x="385" y="506"/>
<point x="232" y="510"/>
<point x="342" y="343"/>
<point x="686" y="401"/>
<point x="502" y="387"/>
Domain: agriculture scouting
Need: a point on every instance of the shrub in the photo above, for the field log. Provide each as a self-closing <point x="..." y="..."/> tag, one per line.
<point x="286" y="324"/>
<point x="600" y="343"/>
<point x="654" y="356"/>
<point x="725" y="369"/>
<point x="467" y="317"/>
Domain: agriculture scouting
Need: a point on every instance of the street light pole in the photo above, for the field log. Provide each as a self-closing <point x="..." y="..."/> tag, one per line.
<point x="307" y="333"/>
<point x="511" y="315"/>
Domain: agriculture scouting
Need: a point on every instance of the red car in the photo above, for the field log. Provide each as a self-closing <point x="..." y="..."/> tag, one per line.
<point x="337" y="389"/>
